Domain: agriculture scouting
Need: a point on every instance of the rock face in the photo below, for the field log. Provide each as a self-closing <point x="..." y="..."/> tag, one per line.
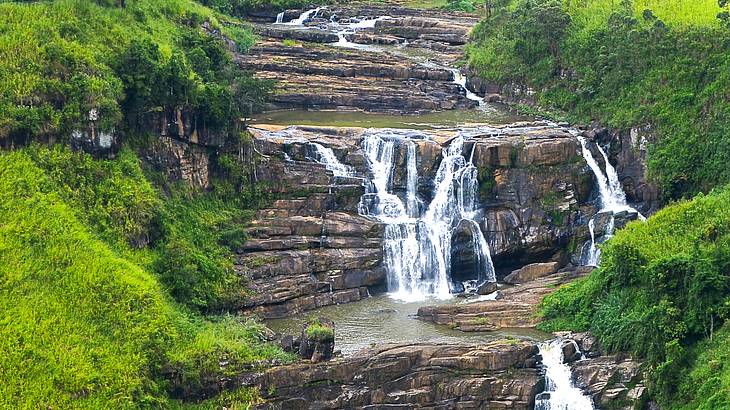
<point x="531" y="272"/>
<point x="613" y="381"/>
<point x="514" y="307"/>
<point x="310" y="75"/>
<point x="496" y="375"/>
<point x="536" y="189"/>
<point x="310" y="248"/>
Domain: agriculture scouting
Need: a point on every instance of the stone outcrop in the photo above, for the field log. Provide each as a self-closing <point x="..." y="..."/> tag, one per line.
<point x="495" y="375"/>
<point x="531" y="272"/>
<point x="536" y="189"/>
<point x="613" y="381"/>
<point x="393" y="79"/>
<point x="514" y="307"/>
<point x="310" y="248"/>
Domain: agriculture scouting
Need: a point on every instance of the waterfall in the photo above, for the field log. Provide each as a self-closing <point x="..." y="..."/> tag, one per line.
<point x="327" y="157"/>
<point x="344" y="29"/>
<point x="460" y="80"/>
<point x="612" y="196"/>
<point x="280" y="18"/>
<point x="302" y="17"/>
<point x="417" y="247"/>
<point x="559" y="394"/>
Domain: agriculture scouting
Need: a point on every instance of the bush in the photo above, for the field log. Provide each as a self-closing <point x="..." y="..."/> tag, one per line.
<point x="662" y="287"/>
<point x="656" y="62"/>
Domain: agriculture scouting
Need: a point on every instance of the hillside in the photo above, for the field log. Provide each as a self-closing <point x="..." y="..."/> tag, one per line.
<point x="661" y="292"/>
<point x="110" y="272"/>
<point x="656" y="64"/>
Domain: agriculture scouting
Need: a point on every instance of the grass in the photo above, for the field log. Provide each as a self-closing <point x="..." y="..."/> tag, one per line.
<point x="662" y="292"/>
<point x="317" y="331"/>
<point x="84" y="325"/>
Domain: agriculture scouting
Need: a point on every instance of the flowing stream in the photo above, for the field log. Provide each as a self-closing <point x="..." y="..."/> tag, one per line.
<point x="560" y="393"/>
<point x="418" y="241"/>
<point x="612" y="196"/>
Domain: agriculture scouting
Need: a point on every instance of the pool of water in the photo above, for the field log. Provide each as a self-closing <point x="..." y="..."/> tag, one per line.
<point x="487" y="114"/>
<point x="382" y="319"/>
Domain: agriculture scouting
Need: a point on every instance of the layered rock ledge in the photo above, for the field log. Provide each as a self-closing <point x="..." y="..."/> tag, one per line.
<point x="398" y="65"/>
<point x="497" y="375"/>
<point x="515" y="307"/>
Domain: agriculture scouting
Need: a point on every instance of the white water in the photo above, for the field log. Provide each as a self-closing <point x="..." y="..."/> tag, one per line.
<point x="613" y="199"/>
<point x="327" y="157"/>
<point x="345" y="29"/>
<point x="460" y="80"/>
<point x="299" y="21"/>
<point x="417" y="247"/>
<point x="560" y="393"/>
<point x="280" y="18"/>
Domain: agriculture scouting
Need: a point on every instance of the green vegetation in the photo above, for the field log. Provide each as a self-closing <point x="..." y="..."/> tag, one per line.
<point x="61" y="59"/>
<point x="663" y="292"/>
<point x="243" y="7"/>
<point x="86" y="323"/>
<point x="631" y="63"/>
<point x="317" y="331"/>
<point x="107" y="268"/>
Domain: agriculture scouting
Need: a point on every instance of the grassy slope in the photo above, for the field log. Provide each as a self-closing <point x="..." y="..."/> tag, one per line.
<point x="56" y="57"/>
<point x="89" y="320"/>
<point x="82" y="324"/>
<point x="662" y="289"/>
<point x="614" y="65"/>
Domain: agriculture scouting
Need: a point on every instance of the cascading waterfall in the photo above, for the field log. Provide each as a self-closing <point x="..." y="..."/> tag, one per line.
<point x="345" y="29"/>
<point x="460" y="80"/>
<point x="327" y="157"/>
<point x="612" y="195"/>
<point x="417" y="246"/>
<point x="280" y="17"/>
<point x="560" y="393"/>
<point x="301" y="19"/>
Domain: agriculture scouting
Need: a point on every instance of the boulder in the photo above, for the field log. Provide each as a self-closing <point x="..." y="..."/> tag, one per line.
<point x="531" y="272"/>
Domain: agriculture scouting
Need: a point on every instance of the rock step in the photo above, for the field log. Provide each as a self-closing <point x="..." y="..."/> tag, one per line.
<point x="514" y="308"/>
<point x="493" y="375"/>
<point x="382" y="95"/>
<point x="334" y="63"/>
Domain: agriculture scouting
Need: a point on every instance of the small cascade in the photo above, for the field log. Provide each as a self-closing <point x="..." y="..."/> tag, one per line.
<point x="327" y="157"/>
<point x="418" y="245"/>
<point x="612" y="196"/>
<point x="299" y="21"/>
<point x="280" y="18"/>
<point x="460" y="80"/>
<point x="560" y="393"/>
<point x="345" y="29"/>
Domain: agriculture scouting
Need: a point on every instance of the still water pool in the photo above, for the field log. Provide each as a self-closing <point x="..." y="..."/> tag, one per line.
<point x="382" y="319"/>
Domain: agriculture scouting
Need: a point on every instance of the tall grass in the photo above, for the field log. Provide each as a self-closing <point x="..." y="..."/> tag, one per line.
<point x="82" y="325"/>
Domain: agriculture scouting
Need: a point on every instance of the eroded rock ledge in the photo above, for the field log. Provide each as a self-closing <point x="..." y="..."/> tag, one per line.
<point x="496" y="375"/>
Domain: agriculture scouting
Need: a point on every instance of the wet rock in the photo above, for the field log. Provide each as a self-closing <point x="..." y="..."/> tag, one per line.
<point x="531" y="272"/>
<point x="487" y="288"/>
<point x="516" y="307"/>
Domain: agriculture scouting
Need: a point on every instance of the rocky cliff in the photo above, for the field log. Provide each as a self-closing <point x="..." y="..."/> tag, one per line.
<point x="311" y="248"/>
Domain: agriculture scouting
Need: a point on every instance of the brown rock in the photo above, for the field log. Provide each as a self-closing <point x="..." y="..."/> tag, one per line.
<point x="531" y="272"/>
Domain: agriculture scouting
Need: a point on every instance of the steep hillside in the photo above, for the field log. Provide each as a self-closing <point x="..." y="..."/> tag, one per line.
<point x="662" y="65"/>
<point x="663" y="292"/>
